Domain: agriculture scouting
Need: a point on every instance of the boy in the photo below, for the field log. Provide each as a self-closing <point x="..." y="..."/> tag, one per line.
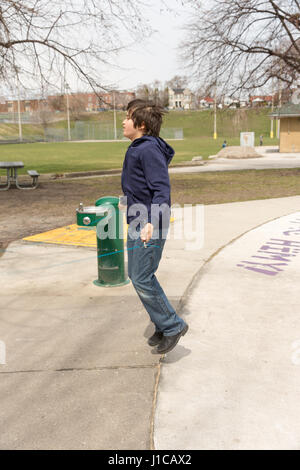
<point x="145" y="181"/>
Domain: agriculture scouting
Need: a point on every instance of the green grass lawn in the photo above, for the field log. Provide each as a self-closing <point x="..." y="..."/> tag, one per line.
<point x="229" y="122"/>
<point x="197" y="127"/>
<point x="205" y="146"/>
<point x="70" y="157"/>
<point x="65" y="157"/>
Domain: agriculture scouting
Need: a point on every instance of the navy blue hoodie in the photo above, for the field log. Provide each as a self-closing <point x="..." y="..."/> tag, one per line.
<point x="145" y="177"/>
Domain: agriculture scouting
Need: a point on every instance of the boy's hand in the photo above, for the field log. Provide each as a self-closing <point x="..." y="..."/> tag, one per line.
<point x="146" y="232"/>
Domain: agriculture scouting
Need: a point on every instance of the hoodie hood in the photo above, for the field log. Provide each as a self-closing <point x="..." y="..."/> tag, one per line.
<point x="164" y="147"/>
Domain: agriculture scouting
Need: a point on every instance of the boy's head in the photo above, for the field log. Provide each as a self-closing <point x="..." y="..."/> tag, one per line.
<point x="143" y="118"/>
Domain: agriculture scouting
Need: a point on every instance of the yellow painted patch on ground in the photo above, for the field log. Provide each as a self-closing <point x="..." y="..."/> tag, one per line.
<point x="71" y="235"/>
<point x="68" y="235"/>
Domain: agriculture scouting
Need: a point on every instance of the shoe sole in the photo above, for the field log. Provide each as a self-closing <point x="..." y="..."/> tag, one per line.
<point x="183" y="332"/>
<point x="154" y="343"/>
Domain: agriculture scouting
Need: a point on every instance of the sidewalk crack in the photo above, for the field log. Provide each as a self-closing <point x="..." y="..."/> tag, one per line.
<point x="72" y="369"/>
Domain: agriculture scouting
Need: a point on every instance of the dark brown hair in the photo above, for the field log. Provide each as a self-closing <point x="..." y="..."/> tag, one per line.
<point x="147" y="114"/>
<point x="135" y="103"/>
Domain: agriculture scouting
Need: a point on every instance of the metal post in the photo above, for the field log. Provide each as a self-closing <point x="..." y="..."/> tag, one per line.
<point x="19" y="115"/>
<point x="272" y="120"/>
<point x="215" y="113"/>
<point x="68" y="112"/>
<point x="279" y="105"/>
<point x="115" y="117"/>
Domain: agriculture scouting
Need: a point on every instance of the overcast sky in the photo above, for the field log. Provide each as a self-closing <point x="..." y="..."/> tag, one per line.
<point x="154" y="58"/>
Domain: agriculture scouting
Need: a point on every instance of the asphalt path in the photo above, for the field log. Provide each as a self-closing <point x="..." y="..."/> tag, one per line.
<point x="270" y="159"/>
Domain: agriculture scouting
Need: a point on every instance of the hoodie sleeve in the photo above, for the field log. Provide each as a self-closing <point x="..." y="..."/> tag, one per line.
<point x="155" y="169"/>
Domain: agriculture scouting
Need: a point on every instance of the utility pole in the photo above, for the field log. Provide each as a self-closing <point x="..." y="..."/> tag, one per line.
<point x="215" y="112"/>
<point x="68" y="111"/>
<point x="279" y="105"/>
<point x="272" y="120"/>
<point x="19" y="113"/>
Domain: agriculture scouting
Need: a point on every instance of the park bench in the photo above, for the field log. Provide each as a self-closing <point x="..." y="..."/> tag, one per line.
<point x="12" y="176"/>
<point x="34" y="175"/>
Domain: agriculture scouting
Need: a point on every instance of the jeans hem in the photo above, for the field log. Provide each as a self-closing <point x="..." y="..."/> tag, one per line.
<point x="174" y="334"/>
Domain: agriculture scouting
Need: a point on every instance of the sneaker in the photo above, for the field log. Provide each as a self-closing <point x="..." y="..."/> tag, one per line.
<point x="169" y="342"/>
<point x="156" y="338"/>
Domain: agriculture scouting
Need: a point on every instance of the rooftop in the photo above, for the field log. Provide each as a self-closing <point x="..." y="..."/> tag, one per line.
<point x="260" y="98"/>
<point x="288" y="110"/>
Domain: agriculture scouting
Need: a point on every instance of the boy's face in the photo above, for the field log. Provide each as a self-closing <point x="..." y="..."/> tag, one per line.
<point x="129" y="130"/>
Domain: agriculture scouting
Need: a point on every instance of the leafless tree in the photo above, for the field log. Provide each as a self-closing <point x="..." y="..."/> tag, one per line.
<point x="122" y="99"/>
<point x="144" y="92"/>
<point x="244" y="44"/>
<point x="156" y="91"/>
<point x="177" y="82"/>
<point x="41" y="38"/>
<point x="76" y="106"/>
<point x="57" y="102"/>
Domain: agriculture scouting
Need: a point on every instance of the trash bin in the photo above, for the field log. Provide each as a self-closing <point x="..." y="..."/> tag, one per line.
<point x="111" y="255"/>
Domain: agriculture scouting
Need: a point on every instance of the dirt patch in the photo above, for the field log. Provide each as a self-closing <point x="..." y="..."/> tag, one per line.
<point x="53" y="204"/>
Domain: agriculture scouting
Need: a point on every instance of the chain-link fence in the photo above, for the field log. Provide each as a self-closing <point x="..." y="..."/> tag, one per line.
<point x="82" y="131"/>
<point x="13" y="118"/>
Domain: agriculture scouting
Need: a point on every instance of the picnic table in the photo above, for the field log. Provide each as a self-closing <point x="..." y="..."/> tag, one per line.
<point x="12" y="175"/>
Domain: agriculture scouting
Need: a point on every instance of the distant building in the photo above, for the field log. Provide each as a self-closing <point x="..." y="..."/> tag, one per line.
<point x="226" y="102"/>
<point x="3" y="105"/>
<point x="181" y="98"/>
<point x="92" y="102"/>
<point x="82" y="102"/>
<point x="289" y="116"/>
<point x="206" y="102"/>
<point x="26" y="106"/>
<point x="234" y="103"/>
<point x="244" y="103"/>
<point x="118" y="98"/>
<point x="260" y="101"/>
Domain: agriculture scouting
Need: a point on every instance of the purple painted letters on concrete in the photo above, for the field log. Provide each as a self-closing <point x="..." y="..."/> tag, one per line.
<point x="279" y="252"/>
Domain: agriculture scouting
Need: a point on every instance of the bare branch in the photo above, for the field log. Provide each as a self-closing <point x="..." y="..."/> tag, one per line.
<point x="82" y="33"/>
<point x="244" y="43"/>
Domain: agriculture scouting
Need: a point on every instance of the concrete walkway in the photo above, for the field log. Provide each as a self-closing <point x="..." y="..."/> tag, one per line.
<point x="78" y="371"/>
<point x="270" y="159"/>
<point x="233" y="382"/>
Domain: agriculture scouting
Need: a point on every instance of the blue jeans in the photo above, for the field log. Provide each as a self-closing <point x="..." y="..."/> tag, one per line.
<point x="142" y="264"/>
